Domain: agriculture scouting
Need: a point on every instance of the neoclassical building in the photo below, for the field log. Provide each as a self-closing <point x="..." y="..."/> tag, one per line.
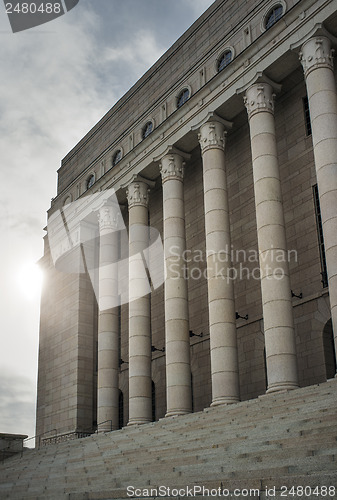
<point x="191" y="250"/>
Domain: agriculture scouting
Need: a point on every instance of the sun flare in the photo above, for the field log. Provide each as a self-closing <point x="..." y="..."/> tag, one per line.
<point x="30" y="278"/>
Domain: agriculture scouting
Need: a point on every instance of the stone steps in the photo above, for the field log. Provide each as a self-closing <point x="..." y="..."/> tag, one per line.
<point x="280" y="439"/>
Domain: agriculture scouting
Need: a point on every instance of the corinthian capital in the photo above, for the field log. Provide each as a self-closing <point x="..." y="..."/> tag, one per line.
<point x="212" y="136"/>
<point x="109" y="217"/>
<point x="172" y="167"/>
<point x="316" y="53"/>
<point x="138" y="194"/>
<point x="259" y="97"/>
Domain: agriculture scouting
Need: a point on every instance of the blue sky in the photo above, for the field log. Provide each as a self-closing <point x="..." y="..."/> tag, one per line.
<point x="57" y="81"/>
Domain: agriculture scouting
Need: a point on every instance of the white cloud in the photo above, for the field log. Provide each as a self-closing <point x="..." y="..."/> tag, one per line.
<point x="199" y="6"/>
<point x="139" y="52"/>
<point x="50" y="85"/>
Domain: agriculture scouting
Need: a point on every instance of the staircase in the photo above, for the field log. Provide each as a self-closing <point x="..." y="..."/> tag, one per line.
<point x="281" y="440"/>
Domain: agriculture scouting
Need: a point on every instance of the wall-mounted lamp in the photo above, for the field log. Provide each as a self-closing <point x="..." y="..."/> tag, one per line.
<point x="192" y="334"/>
<point x="154" y="349"/>
<point x="237" y="316"/>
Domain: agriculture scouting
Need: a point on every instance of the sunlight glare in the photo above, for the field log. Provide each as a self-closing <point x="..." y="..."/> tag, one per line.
<point x="30" y="279"/>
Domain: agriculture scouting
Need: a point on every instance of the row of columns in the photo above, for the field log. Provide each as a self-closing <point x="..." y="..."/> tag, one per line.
<point x="316" y="58"/>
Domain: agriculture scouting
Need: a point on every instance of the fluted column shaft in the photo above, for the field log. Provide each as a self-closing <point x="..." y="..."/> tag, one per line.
<point x="317" y="61"/>
<point x="222" y="321"/>
<point x="275" y="282"/>
<point x="108" y="323"/>
<point x="177" y="342"/>
<point x="140" y="402"/>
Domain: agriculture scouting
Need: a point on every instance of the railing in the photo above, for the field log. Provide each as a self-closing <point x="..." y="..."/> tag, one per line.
<point x="105" y="422"/>
<point x="40" y="436"/>
<point x="79" y="434"/>
<point x="7" y="452"/>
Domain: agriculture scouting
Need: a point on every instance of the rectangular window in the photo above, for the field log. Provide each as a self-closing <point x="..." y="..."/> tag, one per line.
<point x="96" y="356"/>
<point x="320" y="237"/>
<point x="119" y="330"/>
<point x="307" y="115"/>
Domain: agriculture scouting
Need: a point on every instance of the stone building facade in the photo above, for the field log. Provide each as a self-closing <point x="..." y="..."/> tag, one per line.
<point x="214" y="182"/>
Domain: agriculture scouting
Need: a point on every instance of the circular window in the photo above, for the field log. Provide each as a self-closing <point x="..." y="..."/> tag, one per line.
<point x="147" y="129"/>
<point x="224" y="60"/>
<point x="183" y="97"/>
<point x="273" y="16"/>
<point x="116" y="157"/>
<point x="90" y="181"/>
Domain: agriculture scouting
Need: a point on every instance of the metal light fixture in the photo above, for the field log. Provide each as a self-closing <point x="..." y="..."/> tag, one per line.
<point x="192" y="334"/>
<point x="154" y="349"/>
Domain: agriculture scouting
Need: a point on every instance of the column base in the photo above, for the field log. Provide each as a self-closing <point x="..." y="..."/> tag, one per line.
<point x="225" y="401"/>
<point x="177" y="413"/>
<point x="283" y="387"/>
<point x="138" y="421"/>
<point x="100" y="431"/>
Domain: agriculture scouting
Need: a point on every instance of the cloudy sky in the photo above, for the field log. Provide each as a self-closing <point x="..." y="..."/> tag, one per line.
<point x="57" y="81"/>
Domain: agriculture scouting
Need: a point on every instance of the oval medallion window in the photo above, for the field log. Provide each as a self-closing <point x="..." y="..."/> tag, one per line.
<point x="90" y="181"/>
<point x="117" y="157"/>
<point x="147" y="129"/>
<point x="274" y="15"/>
<point x="183" y="97"/>
<point x="224" y="60"/>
